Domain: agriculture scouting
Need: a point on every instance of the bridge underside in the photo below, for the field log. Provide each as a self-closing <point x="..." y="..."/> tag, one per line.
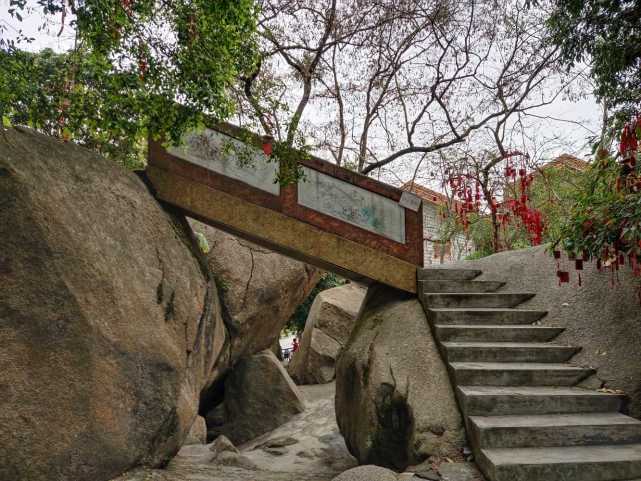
<point x="281" y="233"/>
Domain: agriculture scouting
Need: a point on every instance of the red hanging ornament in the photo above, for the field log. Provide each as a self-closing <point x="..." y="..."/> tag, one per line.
<point x="564" y="277"/>
<point x="578" y="265"/>
<point x="268" y="144"/>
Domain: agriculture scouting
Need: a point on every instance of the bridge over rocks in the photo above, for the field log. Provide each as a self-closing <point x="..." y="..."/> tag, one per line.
<point x="334" y="218"/>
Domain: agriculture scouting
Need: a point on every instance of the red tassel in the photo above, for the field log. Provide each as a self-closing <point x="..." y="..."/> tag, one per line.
<point x="563" y="276"/>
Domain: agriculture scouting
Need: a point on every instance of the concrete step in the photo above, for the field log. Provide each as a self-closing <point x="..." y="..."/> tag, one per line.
<point x="575" y="463"/>
<point x="444" y="274"/>
<point x="508" y="351"/>
<point x="506" y="400"/>
<point x="463" y="332"/>
<point x="517" y="374"/>
<point x="458" y="286"/>
<point x="547" y="430"/>
<point x="464" y="299"/>
<point x="493" y="316"/>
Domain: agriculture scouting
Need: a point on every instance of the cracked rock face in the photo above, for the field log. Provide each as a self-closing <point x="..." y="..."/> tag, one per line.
<point x="394" y="401"/>
<point x="109" y="325"/>
<point x="260" y="289"/>
<point x="327" y="329"/>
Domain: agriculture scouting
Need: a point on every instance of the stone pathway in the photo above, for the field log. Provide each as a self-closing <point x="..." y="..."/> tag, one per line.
<point x="309" y="448"/>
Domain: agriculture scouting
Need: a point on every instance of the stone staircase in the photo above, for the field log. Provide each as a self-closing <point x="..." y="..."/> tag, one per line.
<point x="525" y="418"/>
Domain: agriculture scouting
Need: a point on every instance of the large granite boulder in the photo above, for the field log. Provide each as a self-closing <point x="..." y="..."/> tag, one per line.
<point x="394" y="402"/>
<point x="603" y="315"/>
<point x="329" y="324"/>
<point x="109" y="325"/>
<point x="260" y="290"/>
<point x="259" y="397"/>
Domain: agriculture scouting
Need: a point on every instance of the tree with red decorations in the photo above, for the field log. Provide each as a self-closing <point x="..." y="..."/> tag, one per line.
<point x="605" y="225"/>
<point x="495" y="186"/>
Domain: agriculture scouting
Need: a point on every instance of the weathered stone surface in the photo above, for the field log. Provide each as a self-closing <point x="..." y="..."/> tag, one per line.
<point x="260" y="290"/>
<point x="279" y="442"/>
<point x="394" y="401"/>
<point x="222" y="443"/>
<point x="329" y="323"/>
<point x="287" y="233"/>
<point x="198" y="432"/>
<point x="109" y="326"/>
<point x="603" y="319"/>
<point x="459" y="472"/>
<point x="367" y="473"/>
<point x="259" y="397"/>
<point x="229" y="458"/>
<point x="428" y="474"/>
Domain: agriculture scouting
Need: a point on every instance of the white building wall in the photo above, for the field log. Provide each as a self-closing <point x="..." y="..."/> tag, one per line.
<point x="459" y="245"/>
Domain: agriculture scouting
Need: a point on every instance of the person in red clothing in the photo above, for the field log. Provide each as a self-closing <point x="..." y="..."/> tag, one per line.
<point x="295" y="345"/>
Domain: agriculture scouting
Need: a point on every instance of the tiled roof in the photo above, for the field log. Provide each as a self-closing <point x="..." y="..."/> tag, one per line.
<point x="425" y="193"/>
<point x="566" y="161"/>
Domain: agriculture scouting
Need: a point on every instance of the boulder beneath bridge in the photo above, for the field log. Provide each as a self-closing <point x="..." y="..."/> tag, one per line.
<point x="394" y="402"/>
<point x="329" y="324"/>
<point x="259" y="397"/>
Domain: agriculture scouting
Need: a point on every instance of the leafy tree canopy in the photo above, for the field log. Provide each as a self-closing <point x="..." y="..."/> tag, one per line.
<point x="137" y="67"/>
<point x="296" y="323"/>
<point x="606" y="33"/>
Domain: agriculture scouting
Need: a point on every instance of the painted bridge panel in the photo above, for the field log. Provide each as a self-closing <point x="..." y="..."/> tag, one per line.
<point x="230" y="157"/>
<point x="352" y="204"/>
